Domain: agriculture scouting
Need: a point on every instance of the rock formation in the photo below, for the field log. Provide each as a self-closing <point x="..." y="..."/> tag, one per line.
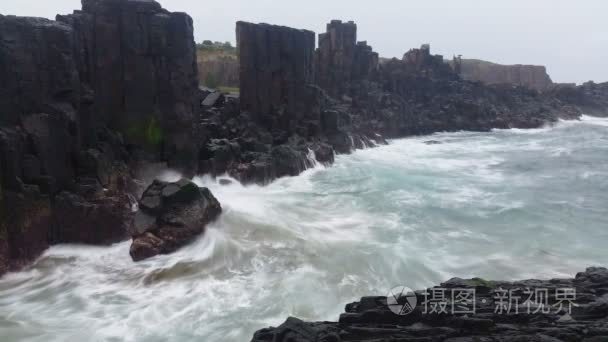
<point x="85" y="99"/>
<point x="529" y="76"/>
<point x="591" y="98"/>
<point x="171" y="215"/>
<point x="90" y="98"/>
<point x="276" y="69"/>
<point x="140" y="62"/>
<point x="370" y="319"/>
<point x="341" y="60"/>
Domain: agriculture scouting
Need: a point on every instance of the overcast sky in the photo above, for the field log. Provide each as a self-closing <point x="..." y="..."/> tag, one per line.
<point x="570" y="37"/>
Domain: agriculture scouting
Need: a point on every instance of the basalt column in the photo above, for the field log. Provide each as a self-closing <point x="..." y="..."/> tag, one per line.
<point x="341" y="60"/>
<point x="140" y="62"/>
<point x="335" y="56"/>
<point x="276" y="73"/>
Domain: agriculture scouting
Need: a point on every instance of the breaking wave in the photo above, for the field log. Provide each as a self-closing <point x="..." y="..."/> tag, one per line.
<point x="504" y="204"/>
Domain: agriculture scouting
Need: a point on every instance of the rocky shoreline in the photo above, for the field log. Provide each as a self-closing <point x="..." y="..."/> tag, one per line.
<point x="556" y="310"/>
<point x="93" y="100"/>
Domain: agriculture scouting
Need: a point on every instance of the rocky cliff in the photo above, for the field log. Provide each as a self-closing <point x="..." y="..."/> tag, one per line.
<point x="341" y="60"/>
<point x="529" y="76"/>
<point x="90" y="98"/>
<point x="139" y="60"/>
<point x="591" y="98"/>
<point x="85" y="99"/>
<point x="276" y="68"/>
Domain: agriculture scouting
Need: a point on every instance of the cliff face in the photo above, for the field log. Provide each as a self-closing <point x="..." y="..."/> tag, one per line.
<point x="530" y="76"/>
<point x="82" y="98"/>
<point x="590" y="97"/>
<point x="37" y="68"/>
<point x="140" y="62"/>
<point x="276" y="66"/>
<point x="340" y="59"/>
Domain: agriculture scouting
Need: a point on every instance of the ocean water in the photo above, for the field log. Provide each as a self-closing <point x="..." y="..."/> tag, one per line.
<point x="507" y="204"/>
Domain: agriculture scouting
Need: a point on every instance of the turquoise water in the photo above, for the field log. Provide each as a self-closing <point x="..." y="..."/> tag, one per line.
<point x="508" y="204"/>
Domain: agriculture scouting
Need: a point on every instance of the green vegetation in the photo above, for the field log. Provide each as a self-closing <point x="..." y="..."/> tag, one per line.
<point x="146" y="131"/>
<point x="154" y="134"/>
<point x="481" y="282"/>
<point x="230" y="90"/>
<point x="211" y="81"/>
<point x="208" y="45"/>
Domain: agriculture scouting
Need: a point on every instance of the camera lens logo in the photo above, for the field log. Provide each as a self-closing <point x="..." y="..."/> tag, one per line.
<point x="401" y="300"/>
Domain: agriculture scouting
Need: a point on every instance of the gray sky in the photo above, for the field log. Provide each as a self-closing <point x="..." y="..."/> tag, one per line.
<point x="570" y="37"/>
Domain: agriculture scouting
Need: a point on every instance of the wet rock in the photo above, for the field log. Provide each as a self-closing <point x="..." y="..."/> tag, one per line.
<point x="224" y="181"/>
<point x="324" y="153"/>
<point x="100" y="220"/>
<point x="27" y="225"/>
<point x="288" y="161"/>
<point x="171" y="215"/>
<point x="371" y="320"/>
<point x="53" y="145"/>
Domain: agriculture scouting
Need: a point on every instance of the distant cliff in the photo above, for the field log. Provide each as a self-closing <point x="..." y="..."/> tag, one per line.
<point x="218" y="65"/>
<point x="530" y="76"/>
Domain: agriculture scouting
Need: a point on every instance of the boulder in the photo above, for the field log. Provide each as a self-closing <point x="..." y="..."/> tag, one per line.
<point x="171" y="215"/>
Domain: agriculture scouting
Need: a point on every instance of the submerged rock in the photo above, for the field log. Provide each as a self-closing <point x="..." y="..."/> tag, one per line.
<point x="171" y="215"/>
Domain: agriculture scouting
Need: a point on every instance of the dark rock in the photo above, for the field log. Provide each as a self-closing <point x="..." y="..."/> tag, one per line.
<point x="31" y="168"/>
<point x="288" y="161"/>
<point x="103" y="220"/>
<point x="371" y="320"/>
<point x="12" y="150"/>
<point x="37" y="69"/>
<point x="341" y="60"/>
<point x="324" y="153"/>
<point x="432" y="142"/>
<point x="171" y="216"/>
<point x="4" y="247"/>
<point x="27" y="224"/>
<point x="276" y="66"/>
<point x="53" y="144"/>
<point x="140" y="62"/>
<point x="214" y="99"/>
<point x="225" y="181"/>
